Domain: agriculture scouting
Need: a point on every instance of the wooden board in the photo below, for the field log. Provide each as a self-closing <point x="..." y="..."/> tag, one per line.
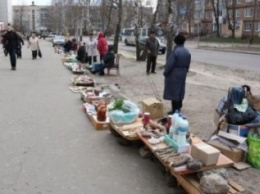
<point x="223" y="161"/>
<point x="127" y="131"/>
<point x="191" y="184"/>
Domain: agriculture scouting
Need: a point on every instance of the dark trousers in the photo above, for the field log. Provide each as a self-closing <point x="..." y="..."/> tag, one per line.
<point x="19" y="53"/>
<point x="12" y="55"/>
<point x="151" y="61"/>
<point x="90" y="59"/>
<point x="176" y="105"/>
<point x="34" y="54"/>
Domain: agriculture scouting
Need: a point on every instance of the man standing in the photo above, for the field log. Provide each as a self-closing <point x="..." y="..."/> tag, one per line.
<point x="152" y="47"/>
<point x="12" y="41"/>
<point x="175" y="73"/>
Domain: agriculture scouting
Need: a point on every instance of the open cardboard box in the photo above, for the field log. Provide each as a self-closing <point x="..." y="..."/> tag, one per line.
<point x="154" y="107"/>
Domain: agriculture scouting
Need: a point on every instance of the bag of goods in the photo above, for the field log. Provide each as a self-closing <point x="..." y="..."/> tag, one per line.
<point x="123" y="111"/>
<point x="254" y="150"/>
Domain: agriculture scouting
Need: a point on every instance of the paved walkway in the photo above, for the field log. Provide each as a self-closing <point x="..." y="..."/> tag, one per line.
<point x="47" y="144"/>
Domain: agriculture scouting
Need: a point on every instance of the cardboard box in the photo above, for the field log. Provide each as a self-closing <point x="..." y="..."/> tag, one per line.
<point x="234" y="154"/>
<point x="99" y="125"/>
<point x="205" y="153"/>
<point x="154" y="107"/>
<point x="239" y="130"/>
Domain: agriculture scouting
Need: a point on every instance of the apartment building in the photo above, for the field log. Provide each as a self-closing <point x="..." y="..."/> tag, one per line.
<point x="5" y="13"/>
<point x="30" y="18"/>
<point x="247" y="17"/>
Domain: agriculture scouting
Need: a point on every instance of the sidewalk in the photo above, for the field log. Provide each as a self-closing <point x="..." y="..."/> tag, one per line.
<point x="48" y="145"/>
<point x="205" y="86"/>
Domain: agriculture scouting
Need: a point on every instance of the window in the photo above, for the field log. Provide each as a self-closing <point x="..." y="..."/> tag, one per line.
<point x="249" y="0"/>
<point x="258" y="27"/>
<point x="249" y="12"/>
<point x="239" y="1"/>
<point x="248" y="27"/>
<point x="237" y="13"/>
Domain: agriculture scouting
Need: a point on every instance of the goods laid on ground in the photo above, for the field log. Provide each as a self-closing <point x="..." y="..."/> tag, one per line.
<point x="241" y="119"/>
<point x="196" y="165"/>
<point x="83" y="80"/>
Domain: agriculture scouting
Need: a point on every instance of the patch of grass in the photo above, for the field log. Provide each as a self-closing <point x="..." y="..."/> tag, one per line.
<point x="230" y="40"/>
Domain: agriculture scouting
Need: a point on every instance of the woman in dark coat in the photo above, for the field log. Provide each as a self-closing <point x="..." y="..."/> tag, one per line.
<point x="175" y="73"/>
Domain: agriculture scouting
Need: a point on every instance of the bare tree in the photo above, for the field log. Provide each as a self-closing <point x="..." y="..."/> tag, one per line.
<point x="215" y="5"/>
<point x="119" y="4"/>
<point x="155" y="14"/>
<point x="137" y="27"/>
<point x="231" y="21"/>
<point x="170" y="26"/>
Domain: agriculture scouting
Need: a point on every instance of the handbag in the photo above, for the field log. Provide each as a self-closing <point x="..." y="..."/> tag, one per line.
<point x="39" y="53"/>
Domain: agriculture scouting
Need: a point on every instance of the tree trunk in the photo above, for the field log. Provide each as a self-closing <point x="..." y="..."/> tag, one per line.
<point x="216" y="14"/>
<point x="233" y="29"/>
<point x="231" y="26"/>
<point x="109" y="17"/>
<point x="170" y="26"/>
<point x="118" y="26"/>
<point x="155" y="15"/>
<point x="253" y="23"/>
<point x="137" y="18"/>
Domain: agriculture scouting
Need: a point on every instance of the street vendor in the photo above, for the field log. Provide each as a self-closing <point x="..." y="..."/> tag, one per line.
<point x="175" y="73"/>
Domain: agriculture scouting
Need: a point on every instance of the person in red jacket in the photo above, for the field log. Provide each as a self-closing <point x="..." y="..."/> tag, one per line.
<point x="102" y="45"/>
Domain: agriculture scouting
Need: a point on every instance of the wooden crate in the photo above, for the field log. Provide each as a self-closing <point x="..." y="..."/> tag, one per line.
<point x="191" y="184"/>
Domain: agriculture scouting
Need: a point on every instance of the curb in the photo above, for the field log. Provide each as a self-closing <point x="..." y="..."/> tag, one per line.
<point x="228" y="50"/>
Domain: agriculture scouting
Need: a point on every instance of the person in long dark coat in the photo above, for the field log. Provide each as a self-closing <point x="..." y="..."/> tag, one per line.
<point x="176" y="69"/>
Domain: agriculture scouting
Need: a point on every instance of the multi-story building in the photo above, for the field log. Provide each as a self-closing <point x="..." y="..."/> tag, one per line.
<point x="30" y="18"/>
<point x="5" y="12"/>
<point x="247" y="17"/>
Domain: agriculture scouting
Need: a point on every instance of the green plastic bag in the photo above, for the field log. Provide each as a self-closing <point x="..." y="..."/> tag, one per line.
<point x="254" y="151"/>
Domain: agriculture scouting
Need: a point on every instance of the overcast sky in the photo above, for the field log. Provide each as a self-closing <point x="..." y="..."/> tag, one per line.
<point x="29" y="2"/>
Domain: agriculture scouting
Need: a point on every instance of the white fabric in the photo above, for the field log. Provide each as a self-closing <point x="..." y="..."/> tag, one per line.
<point x="34" y="43"/>
<point x="91" y="47"/>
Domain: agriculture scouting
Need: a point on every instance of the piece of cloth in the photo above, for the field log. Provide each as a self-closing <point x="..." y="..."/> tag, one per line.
<point x="175" y="73"/>
<point x="34" y="43"/>
<point x="12" y="55"/>
<point x="102" y="45"/>
<point x="109" y="60"/>
<point x="91" y="46"/>
<point x="151" y="63"/>
<point x="152" y="45"/>
<point x="243" y="106"/>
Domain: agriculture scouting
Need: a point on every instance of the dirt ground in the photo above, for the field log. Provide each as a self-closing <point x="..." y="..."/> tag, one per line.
<point x="205" y="86"/>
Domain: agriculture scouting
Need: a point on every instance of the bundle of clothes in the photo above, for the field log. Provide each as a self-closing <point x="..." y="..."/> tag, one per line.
<point x="240" y="106"/>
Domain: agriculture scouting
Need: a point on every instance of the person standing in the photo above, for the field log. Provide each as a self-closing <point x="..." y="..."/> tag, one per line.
<point x="67" y="46"/>
<point x="34" y="45"/>
<point x="11" y="43"/>
<point x="91" y="49"/>
<point x="175" y="73"/>
<point x="152" y="47"/>
<point x="74" y="47"/>
<point x="102" y="45"/>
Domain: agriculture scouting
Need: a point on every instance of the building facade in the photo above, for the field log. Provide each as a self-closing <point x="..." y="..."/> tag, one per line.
<point x="5" y="12"/>
<point x="246" y="18"/>
<point x="30" y="18"/>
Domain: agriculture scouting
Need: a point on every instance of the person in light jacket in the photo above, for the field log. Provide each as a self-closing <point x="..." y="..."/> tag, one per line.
<point x="176" y="69"/>
<point x="91" y="45"/>
<point x="34" y="45"/>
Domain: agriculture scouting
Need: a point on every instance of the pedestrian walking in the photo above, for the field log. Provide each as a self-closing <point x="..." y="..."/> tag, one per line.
<point x="102" y="45"/>
<point x="11" y="43"/>
<point x="34" y="45"/>
<point x="152" y="47"/>
<point x="91" y="45"/>
<point x="175" y="73"/>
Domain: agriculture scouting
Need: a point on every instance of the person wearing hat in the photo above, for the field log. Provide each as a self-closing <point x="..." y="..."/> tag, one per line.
<point x="91" y="45"/>
<point x="152" y="47"/>
<point x="12" y="42"/>
<point x="108" y="60"/>
<point x="175" y="73"/>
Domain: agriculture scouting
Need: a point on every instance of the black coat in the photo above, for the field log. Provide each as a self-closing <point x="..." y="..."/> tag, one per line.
<point x="81" y="55"/>
<point x="12" y="40"/>
<point x="109" y="60"/>
<point x="67" y="46"/>
<point x="175" y="73"/>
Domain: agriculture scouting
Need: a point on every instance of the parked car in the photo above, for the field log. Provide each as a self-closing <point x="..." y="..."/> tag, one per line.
<point x="162" y="46"/>
<point x="58" y="40"/>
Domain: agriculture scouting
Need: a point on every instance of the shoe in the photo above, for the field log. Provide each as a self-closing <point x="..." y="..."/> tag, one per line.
<point x="13" y="68"/>
<point x="147" y="73"/>
<point x="153" y="72"/>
